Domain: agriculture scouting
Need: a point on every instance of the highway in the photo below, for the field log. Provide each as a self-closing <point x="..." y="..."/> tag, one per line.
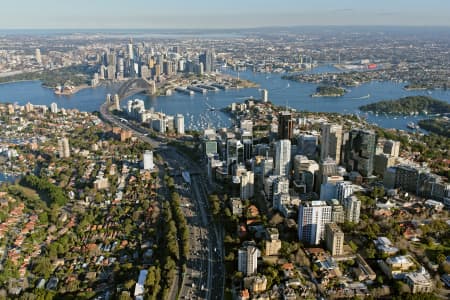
<point x="204" y="276"/>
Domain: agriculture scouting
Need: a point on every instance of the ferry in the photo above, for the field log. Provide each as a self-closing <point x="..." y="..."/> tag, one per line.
<point x="411" y="125"/>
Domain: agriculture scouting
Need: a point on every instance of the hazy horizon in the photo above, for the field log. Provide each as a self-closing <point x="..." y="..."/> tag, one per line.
<point x="234" y="14"/>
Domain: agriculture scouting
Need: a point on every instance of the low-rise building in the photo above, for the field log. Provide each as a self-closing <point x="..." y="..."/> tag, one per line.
<point x="419" y="283"/>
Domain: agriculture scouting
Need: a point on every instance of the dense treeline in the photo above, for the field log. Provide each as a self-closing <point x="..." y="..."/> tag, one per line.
<point x="438" y="126"/>
<point x="77" y="75"/>
<point x="54" y="194"/>
<point x="408" y="105"/>
<point x="326" y="90"/>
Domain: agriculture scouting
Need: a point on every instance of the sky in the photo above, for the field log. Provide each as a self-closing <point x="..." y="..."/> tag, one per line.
<point x="179" y="14"/>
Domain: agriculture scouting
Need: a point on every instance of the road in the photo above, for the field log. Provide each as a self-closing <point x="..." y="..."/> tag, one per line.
<point x="204" y="277"/>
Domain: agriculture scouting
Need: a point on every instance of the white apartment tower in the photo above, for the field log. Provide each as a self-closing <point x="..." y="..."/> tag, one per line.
<point x="312" y="218"/>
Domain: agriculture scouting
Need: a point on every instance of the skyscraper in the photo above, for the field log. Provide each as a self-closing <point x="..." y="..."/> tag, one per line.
<point x="343" y="190"/>
<point x="179" y="123"/>
<point x="248" y="259"/>
<point x="334" y="238"/>
<point x="38" y="56"/>
<point x="283" y="158"/>
<point x="130" y="50"/>
<point x="64" y="148"/>
<point x="264" y="96"/>
<point x="352" y="208"/>
<point x="54" y="108"/>
<point x="148" y="160"/>
<point x="285" y="125"/>
<point x="312" y="217"/>
<point x="360" y="151"/>
<point x="331" y="142"/>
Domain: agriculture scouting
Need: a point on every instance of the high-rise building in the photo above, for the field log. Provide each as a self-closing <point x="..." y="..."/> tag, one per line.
<point x="248" y="259"/>
<point x="352" y="208"/>
<point x="307" y="145"/>
<point x="343" y="190"/>
<point x="54" y="108"/>
<point x="331" y="142"/>
<point x="116" y="102"/>
<point x="247" y="179"/>
<point x="334" y="238"/>
<point x="38" y="56"/>
<point x="64" y="148"/>
<point x="285" y="126"/>
<point x="179" y="123"/>
<point x="312" y="217"/>
<point x="148" y="160"/>
<point x="235" y="153"/>
<point x="283" y="158"/>
<point x="264" y="96"/>
<point x="337" y="211"/>
<point x="207" y="59"/>
<point x="130" y="50"/>
<point x="391" y="148"/>
<point x="360" y="151"/>
<point x="305" y="171"/>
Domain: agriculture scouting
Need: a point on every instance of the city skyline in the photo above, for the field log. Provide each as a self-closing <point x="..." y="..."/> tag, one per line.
<point x="232" y="14"/>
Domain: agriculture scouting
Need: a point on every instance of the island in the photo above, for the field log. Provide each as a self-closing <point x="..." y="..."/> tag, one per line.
<point x="440" y="126"/>
<point x="411" y="105"/>
<point x="329" y="91"/>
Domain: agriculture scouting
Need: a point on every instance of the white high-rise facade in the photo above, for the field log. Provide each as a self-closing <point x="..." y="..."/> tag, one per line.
<point x="312" y="218"/>
<point x="179" y="123"/>
<point x="148" y="160"/>
<point x="54" y="108"/>
<point x="283" y="158"/>
<point x="343" y="190"/>
<point x="248" y="260"/>
<point x="352" y="209"/>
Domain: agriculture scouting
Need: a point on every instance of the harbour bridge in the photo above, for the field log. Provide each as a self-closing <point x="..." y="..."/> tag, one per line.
<point x="135" y="86"/>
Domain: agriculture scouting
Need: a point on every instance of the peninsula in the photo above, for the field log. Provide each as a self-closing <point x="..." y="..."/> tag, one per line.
<point x="412" y="105"/>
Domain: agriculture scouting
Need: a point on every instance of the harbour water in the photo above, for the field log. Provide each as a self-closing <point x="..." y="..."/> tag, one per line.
<point x="202" y="110"/>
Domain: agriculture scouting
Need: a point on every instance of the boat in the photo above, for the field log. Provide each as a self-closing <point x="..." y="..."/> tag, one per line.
<point x="363" y="97"/>
<point x="411" y="125"/>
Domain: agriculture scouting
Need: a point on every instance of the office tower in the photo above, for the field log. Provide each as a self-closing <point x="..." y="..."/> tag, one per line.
<point x="343" y="190"/>
<point x="391" y="148"/>
<point x="111" y="61"/>
<point x="273" y="243"/>
<point x="235" y="153"/>
<point x="167" y="68"/>
<point x="305" y="171"/>
<point x="283" y="158"/>
<point x="246" y="125"/>
<point x="352" y="208"/>
<point x="64" y="148"/>
<point x="207" y="59"/>
<point x="111" y="72"/>
<point x="264" y="96"/>
<point x="307" y="145"/>
<point x="179" y="123"/>
<point x="121" y="68"/>
<point x="54" y="108"/>
<point x="248" y="259"/>
<point x="116" y="102"/>
<point x="247" y="179"/>
<point x="148" y="160"/>
<point x="331" y="142"/>
<point x="328" y="187"/>
<point x="38" y="56"/>
<point x="248" y="149"/>
<point x="101" y="72"/>
<point x="312" y="217"/>
<point x="130" y="50"/>
<point x="334" y="238"/>
<point x="327" y="168"/>
<point x="285" y="125"/>
<point x="28" y="107"/>
<point x="360" y="151"/>
<point x="337" y="211"/>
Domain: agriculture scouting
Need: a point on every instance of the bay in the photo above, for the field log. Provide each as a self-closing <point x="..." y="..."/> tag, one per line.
<point x="201" y="111"/>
